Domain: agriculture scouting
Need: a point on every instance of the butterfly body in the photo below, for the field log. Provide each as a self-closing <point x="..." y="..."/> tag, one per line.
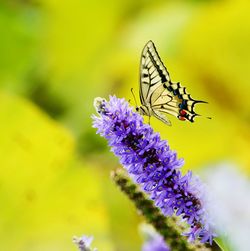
<point x="158" y="94"/>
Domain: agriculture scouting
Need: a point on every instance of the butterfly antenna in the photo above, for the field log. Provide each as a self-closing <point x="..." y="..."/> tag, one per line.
<point x="134" y="97"/>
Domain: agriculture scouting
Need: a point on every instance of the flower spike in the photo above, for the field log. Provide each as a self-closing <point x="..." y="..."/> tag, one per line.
<point x="154" y="166"/>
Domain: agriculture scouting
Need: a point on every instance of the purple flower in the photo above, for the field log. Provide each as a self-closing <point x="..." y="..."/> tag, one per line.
<point x="84" y="242"/>
<point x="152" y="165"/>
<point x="154" y="241"/>
<point x="155" y="244"/>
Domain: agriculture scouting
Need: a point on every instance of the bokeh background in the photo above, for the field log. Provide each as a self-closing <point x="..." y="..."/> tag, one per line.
<point x="56" y="56"/>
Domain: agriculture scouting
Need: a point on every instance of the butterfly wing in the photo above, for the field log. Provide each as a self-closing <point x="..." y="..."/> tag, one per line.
<point x="158" y="92"/>
<point x="153" y="75"/>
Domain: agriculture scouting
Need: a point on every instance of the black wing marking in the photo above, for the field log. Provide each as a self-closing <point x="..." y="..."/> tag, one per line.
<point x="184" y="102"/>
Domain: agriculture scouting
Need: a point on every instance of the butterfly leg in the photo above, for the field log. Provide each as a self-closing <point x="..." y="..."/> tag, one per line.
<point x="149" y="119"/>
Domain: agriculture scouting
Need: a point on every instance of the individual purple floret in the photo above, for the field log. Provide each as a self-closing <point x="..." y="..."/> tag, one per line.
<point x="152" y="164"/>
<point x="154" y="241"/>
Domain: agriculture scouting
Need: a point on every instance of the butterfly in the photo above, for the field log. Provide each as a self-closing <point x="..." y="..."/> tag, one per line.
<point x="158" y="94"/>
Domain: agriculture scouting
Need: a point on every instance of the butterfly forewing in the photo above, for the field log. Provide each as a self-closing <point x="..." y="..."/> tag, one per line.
<point x="153" y="72"/>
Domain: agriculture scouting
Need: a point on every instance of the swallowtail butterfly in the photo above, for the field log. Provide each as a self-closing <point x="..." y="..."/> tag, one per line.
<point x="158" y="94"/>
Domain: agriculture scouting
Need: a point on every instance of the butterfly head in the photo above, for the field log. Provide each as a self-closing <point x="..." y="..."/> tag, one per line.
<point x="139" y="110"/>
<point x="143" y="110"/>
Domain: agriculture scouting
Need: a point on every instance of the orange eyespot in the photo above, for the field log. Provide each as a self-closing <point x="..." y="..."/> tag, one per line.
<point x="181" y="118"/>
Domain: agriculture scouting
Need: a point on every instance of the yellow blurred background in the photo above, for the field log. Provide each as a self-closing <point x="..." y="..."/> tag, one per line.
<point x="56" y="57"/>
